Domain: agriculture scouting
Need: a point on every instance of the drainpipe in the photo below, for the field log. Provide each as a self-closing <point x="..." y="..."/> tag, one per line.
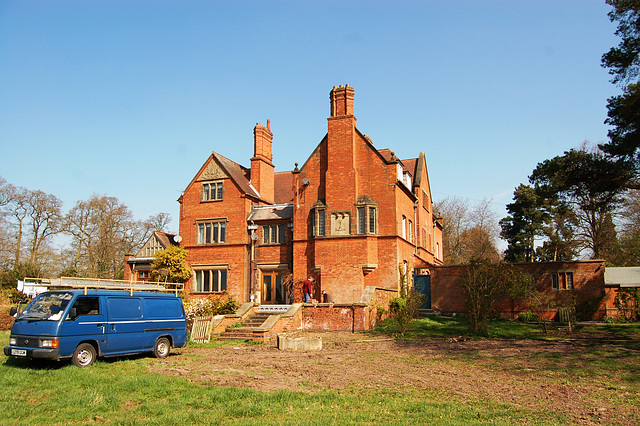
<point x="415" y="227"/>
<point x="254" y="237"/>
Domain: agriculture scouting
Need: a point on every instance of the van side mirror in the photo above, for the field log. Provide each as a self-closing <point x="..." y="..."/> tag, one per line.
<point x="13" y="310"/>
<point x="72" y="314"/>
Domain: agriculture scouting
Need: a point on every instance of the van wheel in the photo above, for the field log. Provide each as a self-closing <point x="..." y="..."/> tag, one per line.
<point x="84" y="355"/>
<point x="162" y="348"/>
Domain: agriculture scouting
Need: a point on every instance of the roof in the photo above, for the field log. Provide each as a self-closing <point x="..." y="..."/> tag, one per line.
<point x="166" y="239"/>
<point x="285" y="190"/>
<point x="624" y="277"/>
<point x="237" y="173"/>
<point x="275" y="212"/>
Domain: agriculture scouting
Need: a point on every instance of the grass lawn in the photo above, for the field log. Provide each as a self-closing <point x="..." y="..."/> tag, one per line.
<point x="128" y="391"/>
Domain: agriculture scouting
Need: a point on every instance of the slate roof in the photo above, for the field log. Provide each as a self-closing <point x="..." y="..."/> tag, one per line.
<point x="274" y="212"/>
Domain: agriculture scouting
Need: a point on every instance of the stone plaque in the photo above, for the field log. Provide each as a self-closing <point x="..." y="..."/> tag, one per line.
<point x="340" y="223"/>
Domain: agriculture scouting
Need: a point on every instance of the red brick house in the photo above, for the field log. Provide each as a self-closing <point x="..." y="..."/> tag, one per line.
<point x="352" y="215"/>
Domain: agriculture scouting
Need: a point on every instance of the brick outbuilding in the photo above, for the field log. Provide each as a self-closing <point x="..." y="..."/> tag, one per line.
<point x="351" y="215"/>
<point x="582" y="281"/>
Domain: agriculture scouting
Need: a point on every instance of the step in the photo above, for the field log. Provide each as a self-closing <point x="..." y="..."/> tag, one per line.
<point x="425" y="312"/>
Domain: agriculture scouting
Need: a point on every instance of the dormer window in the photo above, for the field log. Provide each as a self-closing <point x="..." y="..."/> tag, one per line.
<point x="407" y="179"/>
<point x="211" y="191"/>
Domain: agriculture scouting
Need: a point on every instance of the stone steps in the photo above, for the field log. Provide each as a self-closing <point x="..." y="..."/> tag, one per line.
<point x="245" y="332"/>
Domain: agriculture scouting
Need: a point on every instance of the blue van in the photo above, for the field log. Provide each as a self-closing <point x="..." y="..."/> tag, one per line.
<point x="82" y="325"/>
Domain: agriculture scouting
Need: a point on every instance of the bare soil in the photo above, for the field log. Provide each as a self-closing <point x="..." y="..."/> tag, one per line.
<point x="500" y="371"/>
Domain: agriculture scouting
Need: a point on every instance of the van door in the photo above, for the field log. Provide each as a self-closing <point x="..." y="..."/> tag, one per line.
<point x="125" y="330"/>
<point x="86" y="321"/>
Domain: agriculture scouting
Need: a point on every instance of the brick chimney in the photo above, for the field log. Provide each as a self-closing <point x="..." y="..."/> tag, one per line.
<point x="342" y="100"/>
<point x="341" y="176"/>
<point x="262" y="169"/>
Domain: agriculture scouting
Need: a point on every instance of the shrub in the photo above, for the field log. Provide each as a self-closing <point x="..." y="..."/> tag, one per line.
<point x="212" y="305"/>
<point x="405" y="309"/>
<point x="528" y="316"/>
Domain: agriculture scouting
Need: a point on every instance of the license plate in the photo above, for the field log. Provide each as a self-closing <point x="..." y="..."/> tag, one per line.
<point x="19" y="352"/>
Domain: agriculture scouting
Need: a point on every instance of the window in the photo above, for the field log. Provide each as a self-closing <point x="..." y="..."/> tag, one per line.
<point x="404" y="227"/>
<point x="143" y="274"/>
<point x="372" y="220"/>
<point x="562" y="280"/>
<point x="211" y="191"/>
<point x="210" y="281"/>
<point x="319" y="220"/>
<point x="410" y="231"/>
<point x="273" y="234"/>
<point x="366" y="210"/>
<point x="86" y="305"/>
<point x="212" y="232"/>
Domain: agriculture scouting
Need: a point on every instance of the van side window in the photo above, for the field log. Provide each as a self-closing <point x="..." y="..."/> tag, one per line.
<point x="86" y="305"/>
<point x="121" y="308"/>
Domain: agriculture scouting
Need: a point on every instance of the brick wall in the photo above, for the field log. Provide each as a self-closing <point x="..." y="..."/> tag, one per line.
<point x="593" y="299"/>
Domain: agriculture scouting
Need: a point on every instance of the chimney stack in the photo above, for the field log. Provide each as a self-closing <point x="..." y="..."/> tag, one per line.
<point x="342" y="100"/>
<point x="262" y="168"/>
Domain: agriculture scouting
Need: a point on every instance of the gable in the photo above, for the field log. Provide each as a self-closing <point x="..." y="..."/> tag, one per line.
<point x="212" y="171"/>
<point x="153" y="245"/>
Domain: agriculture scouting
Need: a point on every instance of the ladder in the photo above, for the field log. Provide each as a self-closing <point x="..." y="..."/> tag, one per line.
<point x="99" y="283"/>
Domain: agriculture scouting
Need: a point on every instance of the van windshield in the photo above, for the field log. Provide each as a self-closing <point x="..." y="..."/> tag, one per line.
<point x="47" y="306"/>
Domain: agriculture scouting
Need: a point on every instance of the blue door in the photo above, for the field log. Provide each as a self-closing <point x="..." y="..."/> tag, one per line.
<point x="422" y="284"/>
<point x="125" y="330"/>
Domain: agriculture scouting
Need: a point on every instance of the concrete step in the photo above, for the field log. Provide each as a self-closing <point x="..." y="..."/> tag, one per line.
<point x="237" y="333"/>
<point x="423" y="313"/>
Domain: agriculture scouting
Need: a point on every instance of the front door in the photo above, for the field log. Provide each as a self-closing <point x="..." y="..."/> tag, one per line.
<point x="272" y="290"/>
<point x="422" y="284"/>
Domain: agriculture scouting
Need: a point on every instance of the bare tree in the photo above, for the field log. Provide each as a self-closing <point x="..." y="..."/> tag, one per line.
<point x="45" y="220"/>
<point x="471" y="232"/>
<point x="103" y="230"/>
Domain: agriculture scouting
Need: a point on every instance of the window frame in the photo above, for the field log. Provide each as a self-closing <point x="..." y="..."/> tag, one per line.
<point x="212" y="190"/>
<point x="565" y="278"/>
<point x="217" y="234"/>
<point x="319" y="220"/>
<point x="220" y="280"/>
<point x="366" y="216"/>
<point x="269" y="237"/>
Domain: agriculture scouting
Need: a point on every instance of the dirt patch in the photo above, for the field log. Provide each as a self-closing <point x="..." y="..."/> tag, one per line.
<point x="500" y="371"/>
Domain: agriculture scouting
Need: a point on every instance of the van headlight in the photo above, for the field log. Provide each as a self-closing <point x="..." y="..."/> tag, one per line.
<point x="13" y="341"/>
<point x="48" y="343"/>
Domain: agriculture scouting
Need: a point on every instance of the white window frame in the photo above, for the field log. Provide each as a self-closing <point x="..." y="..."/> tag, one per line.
<point x="213" y="280"/>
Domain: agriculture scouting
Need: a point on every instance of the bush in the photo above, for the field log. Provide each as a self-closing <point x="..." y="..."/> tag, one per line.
<point x="403" y="310"/>
<point x="212" y="305"/>
<point x="528" y="316"/>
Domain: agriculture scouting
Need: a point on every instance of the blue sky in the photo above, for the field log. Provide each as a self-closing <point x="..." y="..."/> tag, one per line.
<point x="128" y="98"/>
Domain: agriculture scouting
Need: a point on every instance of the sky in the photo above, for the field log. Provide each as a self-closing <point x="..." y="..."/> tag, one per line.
<point x="128" y="98"/>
